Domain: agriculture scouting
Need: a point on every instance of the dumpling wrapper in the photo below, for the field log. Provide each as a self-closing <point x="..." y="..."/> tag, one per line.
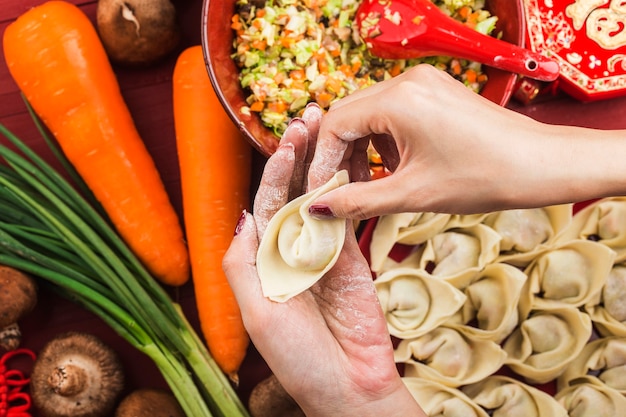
<point x="449" y="356"/>
<point x="603" y="221"/>
<point x="415" y="302"/>
<point x="546" y="342"/>
<point x="491" y="309"/>
<point x="507" y="397"/>
<point x="570" y="274"/>
<point x="438" y="400"/>
<point x="614" y="293"/>
<point x="604" y="322"/>
<point x="605" y="358"/>
<point x="609" y="313"/>
<point x="458" y="251"/>
<point x="404" y="228"/>
<point x="465" y="220"/>
<point x="589" y="397"/>
<point x="526" y="231"/>
<point x="296" y="249"/>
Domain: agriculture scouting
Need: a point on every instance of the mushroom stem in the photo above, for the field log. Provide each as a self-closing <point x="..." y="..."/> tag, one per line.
<point x="76" y="375"/>
<point x="10" y="337"/>
<point x="67" y="380"/>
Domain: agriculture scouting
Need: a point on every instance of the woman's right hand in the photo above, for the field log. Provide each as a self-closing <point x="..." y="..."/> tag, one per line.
<point x="450" y="150"/>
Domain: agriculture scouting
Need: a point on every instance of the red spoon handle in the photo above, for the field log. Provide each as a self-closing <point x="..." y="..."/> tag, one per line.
<point x="403" y="29"/>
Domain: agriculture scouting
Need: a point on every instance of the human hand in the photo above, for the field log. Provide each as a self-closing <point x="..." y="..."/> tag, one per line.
<point x="450" y="150"/>
<point x="328" y="346"/>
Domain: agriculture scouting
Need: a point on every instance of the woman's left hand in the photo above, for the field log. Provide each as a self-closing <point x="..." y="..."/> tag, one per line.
<point x="328" y="346"/>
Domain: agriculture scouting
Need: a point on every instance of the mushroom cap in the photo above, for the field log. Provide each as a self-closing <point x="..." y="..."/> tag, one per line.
<point x="149" y="402"/>
<point x="18" y="295"/>
<point x="137" y="32"/>
<point x="269" y="399"/>
<point x="76" y="375"/>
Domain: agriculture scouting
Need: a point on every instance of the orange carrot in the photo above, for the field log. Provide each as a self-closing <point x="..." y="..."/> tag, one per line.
<point x="334" y="84"/>
<point x="257" y="106"/>
<point x="278" y="106"/>
<point x="324" y="98"/>
<point x="56" y="58"/>
<point x="470" y="75"/>
<point x="215" y="169"/>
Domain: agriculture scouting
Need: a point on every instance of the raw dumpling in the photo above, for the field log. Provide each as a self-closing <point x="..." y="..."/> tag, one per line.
<point x="526" y="231"/>
<point x="604" y="322"/>
<point x="438" y="400"/>
<point x="449" y="356"/>
<point x="571" y="274"/>
<point x="404" y="228"/>
<point x="546" y="342"/>
<point x="609" y="313"/>
<point x="297" y="250"/>
<point x="589" y="397"/>
<point x="491" y="309"/>
<point x="614" y="293"/>
<point x="605" y="358"/>
<point x="603" y="221"/>
<point x="508" y="397"/>
<point x="414" y="302"/>
<point x="456" y="251"/>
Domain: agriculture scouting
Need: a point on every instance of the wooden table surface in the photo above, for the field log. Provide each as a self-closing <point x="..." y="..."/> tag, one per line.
<point x="148" y="95"/>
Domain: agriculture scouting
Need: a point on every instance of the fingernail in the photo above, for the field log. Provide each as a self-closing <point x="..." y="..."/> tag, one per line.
<point x="241" y="221"/>
<point x="295" y="120"/>
<point x="321" y="212"/>
<point x="312" y="104"/>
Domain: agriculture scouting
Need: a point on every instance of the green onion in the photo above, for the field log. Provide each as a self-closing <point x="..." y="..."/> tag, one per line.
<point x="52" y="231"/>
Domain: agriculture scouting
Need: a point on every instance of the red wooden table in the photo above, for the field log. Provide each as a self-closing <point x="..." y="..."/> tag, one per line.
<point x="148" y="94"/>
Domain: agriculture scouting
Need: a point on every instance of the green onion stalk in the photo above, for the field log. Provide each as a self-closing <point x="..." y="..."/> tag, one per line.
<point x="55" y="230"/>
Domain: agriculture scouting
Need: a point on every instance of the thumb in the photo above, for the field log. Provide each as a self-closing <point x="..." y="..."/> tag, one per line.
<point x="362" y="200"/>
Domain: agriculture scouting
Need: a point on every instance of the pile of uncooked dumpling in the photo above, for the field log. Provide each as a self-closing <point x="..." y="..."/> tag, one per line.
<point x="540" y="293"/>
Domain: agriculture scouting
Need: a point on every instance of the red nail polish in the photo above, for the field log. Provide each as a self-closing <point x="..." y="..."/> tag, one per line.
<point x="321" y="211"/>
<point x="240" y="222"/>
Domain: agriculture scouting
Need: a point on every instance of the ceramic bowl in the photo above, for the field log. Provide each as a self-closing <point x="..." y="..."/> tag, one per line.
<point x="217" y="41"/>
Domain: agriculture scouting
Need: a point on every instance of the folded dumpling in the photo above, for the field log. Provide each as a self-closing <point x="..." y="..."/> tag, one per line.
<point x="546" y="342"/>
<point x="604" y="358"/>
<point x="414" y="302"/>
<point x="438" y="400"/>
<point x="589" y="397"/>
<point x="503" y="396"/>
<point x="456" y="251"/>
<point x="296" y="249"/>
<point x="491" y="309"/>
<point x="609" y="313"/>
<point x="404" y="228"/>
<point x="614" y="293"/>
<point x="603" y="221"/>
<point x="449" y="356"/>
<point x="571" y="274"/>
<point x="526" y="231"/>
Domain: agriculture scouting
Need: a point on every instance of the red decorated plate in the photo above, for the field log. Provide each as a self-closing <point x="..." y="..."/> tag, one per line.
<point x="587" y="38"/>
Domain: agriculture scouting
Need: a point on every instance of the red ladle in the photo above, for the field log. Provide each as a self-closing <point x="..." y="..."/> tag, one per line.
<point x="404" y="29"/>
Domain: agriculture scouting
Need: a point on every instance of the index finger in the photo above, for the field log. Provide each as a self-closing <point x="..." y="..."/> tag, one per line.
<point x="281" y="178"/>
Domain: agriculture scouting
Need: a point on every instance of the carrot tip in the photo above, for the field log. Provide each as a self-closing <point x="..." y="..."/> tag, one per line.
<point x="234" y="378"/>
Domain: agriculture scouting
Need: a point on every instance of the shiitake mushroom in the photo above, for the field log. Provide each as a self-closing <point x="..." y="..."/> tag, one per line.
<point x="269" y="399"/>
<point x="149" y="402"/>
<point x="137" y="32"/>
<point x="76" y="375"/>
<point x="18" y="297"/>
